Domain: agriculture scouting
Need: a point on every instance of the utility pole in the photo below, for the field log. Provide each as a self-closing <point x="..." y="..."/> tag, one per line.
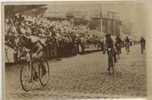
<point x="100" y="16"/>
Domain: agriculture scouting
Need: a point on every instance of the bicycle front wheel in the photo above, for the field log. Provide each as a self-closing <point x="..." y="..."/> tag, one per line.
<point x="26" y="77"/>
<point x="44" y="72"/>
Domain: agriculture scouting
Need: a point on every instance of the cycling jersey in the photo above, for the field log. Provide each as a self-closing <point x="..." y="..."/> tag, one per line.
<point x="32" y="43"/>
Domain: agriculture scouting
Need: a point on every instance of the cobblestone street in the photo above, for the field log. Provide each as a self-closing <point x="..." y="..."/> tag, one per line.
<point x="85" y="76"/>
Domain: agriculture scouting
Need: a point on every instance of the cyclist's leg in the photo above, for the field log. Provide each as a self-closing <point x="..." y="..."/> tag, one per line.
<point x="43" y="71"/>
<point x="43" y="67"/>
<point x="112" y="66"/>
<point x="120" y="49"/>
<point x="31" y="70"/>
<point x="109" y="63"/>
<point x="34" y="71"/>
<point x="36" y="60"/>
<point x="127" y="49"/>
<point x="113" y="60"/>
<point x="141" y="49"/>
<point x="114" y="54"/>
<point x="118" y="53"/>
<point x="41" y="61"/>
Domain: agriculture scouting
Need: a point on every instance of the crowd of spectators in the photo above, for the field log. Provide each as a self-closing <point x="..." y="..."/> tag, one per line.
<point x="61" y="36"/>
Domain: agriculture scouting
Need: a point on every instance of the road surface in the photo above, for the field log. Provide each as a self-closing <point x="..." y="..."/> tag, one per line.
<point x="84" y="76"/>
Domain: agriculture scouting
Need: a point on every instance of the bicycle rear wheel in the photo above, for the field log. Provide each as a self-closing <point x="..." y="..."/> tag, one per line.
<point x="26" y="77"/>
<point x="44" y="72"/>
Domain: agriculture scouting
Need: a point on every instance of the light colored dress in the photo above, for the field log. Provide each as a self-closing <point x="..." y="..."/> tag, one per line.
<point x="9" y="55"/>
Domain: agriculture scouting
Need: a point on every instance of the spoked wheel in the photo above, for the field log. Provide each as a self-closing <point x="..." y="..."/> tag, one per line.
<point x="26" y="77"/>
<point x="44" y="72"/>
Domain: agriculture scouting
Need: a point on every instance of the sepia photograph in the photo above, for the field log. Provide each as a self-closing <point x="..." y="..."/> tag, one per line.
<point x="74" y="50"/>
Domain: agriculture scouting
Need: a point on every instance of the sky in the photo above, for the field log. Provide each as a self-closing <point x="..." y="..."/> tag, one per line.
<point x="129" y="12"/>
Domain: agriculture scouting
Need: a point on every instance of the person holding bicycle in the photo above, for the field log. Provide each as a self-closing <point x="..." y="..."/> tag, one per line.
<point x="110" y="49"/>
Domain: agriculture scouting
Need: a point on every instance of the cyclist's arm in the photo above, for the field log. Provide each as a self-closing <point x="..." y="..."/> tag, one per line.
<point x="40" y="48"/>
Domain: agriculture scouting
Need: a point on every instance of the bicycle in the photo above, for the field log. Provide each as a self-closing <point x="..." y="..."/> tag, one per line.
<point x="31" y="73"/>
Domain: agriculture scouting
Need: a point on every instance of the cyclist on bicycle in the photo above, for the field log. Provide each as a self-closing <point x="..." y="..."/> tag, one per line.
<point x="118" y="45"/>
<point x="32" y="47"/>
<point x="127" y="44"/>
<point x="109" y="47"/>
<point x="142" y="44"/>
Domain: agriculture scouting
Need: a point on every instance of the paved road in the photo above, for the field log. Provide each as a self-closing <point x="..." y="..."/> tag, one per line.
<point x="85" y="76"/>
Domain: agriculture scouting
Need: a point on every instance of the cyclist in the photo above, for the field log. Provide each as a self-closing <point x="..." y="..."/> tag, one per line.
<point x="32" y="43"/>
<point x="127" y="44"/>
<point x="118" y="44"/>
<point x="142" y="43"/>
<point x="109" y="47"/>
